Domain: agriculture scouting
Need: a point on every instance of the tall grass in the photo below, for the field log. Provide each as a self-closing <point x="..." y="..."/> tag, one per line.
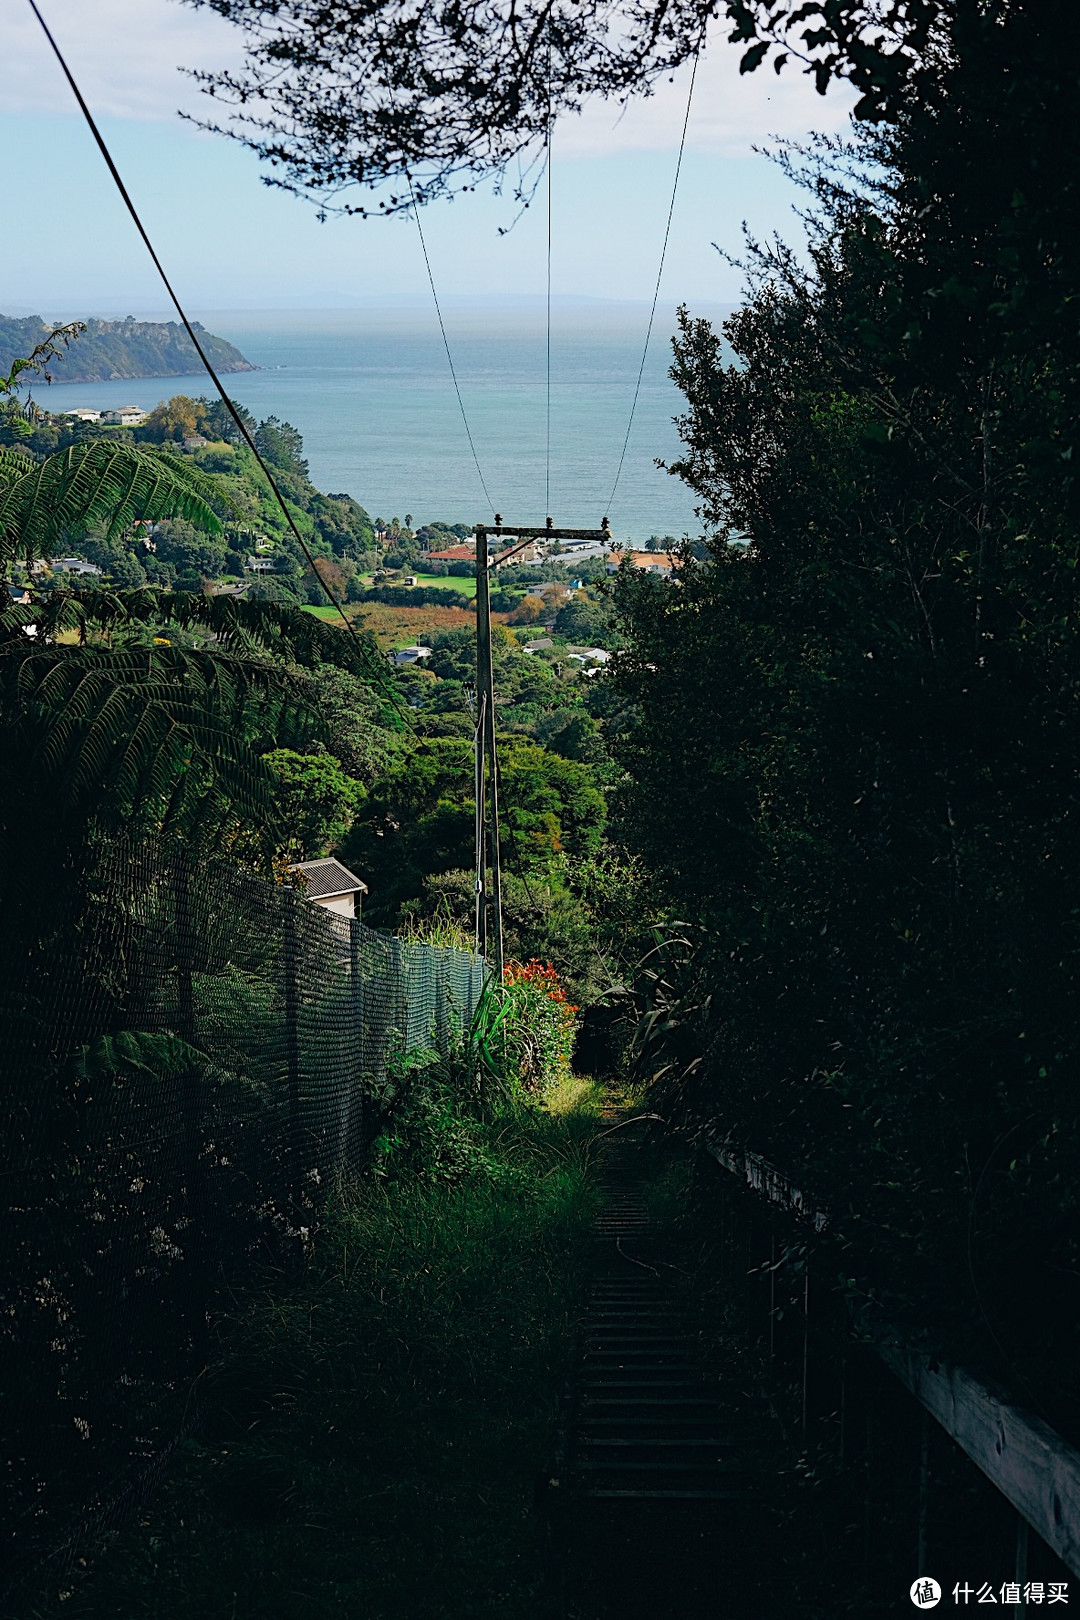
<point x="379" y="1422"/>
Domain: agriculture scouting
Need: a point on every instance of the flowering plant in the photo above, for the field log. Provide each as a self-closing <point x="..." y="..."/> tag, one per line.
<point x="539" y="1026"/>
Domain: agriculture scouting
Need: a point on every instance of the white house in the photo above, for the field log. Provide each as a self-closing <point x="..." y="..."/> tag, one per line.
<point x="411" y="655"/>
<point x="328" y="883"/>
<point x="260" y="565"/>
<point x="74" y="565"/>
<point x="126" y="416"/>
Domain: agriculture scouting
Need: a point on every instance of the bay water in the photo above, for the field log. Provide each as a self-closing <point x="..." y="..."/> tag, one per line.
<point x="370" y="389"/>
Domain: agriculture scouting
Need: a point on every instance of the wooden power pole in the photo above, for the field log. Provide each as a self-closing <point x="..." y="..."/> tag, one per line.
<point x="489" y="936"/>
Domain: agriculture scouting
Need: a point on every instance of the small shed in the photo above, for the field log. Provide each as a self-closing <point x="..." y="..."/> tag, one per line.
<point x="328" y="883"/>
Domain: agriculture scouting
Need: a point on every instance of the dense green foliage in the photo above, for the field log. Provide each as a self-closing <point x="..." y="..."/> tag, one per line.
<point x="129" y="348"/>
<point x="335" y="527"/>
<point x="859" y="712"/>
<point x="382" y="1416"/>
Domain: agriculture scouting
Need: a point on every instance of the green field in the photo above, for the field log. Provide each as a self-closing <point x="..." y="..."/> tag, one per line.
<point x="449" y="582"/>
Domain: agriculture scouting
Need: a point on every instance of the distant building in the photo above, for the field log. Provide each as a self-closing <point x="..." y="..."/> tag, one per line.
<point x="19" y="595"/>
<point x="195" y="442"/>
<point x="84" y="414"/>
<point x="650" y="562"/>
<point x="126" y="416"/>
<point x="74" y="565"/>
<point x="411" y="655"/>
<point x="410" y="579"/>
<point x="466" y="552"/>
<point x="541" y="644"/>
<point x="328" y="883"/>
<point x="588" y="655"/>
<point x="260" y="565"/>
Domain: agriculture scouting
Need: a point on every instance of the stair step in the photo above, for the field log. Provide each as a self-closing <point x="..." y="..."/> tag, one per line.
<point x="665" y="1496"/>
<point x="658" y="1441"/>
<point x="597" y="1465"/>
<point x="611" y="1336"/>
<point x="653" y="1401"/>
<point x="663" y="1420"/>
<point x="642" y="1383"/>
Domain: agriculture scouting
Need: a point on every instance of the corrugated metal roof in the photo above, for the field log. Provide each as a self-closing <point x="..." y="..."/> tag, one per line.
<point x="328" y="877"/>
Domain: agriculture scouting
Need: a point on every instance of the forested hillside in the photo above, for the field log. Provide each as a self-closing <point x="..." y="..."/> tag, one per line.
<point x="115" y="349"/>
<point x="853" y="760"/>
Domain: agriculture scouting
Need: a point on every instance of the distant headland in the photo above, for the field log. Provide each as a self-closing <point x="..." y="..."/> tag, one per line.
<point x="112" y="350"/>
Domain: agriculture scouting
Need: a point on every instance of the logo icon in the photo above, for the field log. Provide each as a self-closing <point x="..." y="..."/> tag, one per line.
<point x="925" y="1593"/>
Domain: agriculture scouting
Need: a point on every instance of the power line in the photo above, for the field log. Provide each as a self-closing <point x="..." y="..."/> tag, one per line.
<point x="446" y="346"/>
<point x="547" y="460"/>
<point x="191" y="331"/>
<point x="659" y="275"/>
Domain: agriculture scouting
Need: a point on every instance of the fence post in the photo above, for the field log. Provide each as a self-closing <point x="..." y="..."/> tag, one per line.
<point x="1021" y="1563"/>
<point x="805" y="1348"/>
<point x="924" y="1492"/>
<point x="291" y="965"/>
<point x="356" y="1122"/>
<point x="191" y="1103"/>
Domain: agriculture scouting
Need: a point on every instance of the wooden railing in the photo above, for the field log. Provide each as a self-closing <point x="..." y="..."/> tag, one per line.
<point x="1036" y="1469"/>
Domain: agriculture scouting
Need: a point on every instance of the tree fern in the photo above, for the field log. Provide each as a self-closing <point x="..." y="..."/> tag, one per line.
<point x="47" y="505"/>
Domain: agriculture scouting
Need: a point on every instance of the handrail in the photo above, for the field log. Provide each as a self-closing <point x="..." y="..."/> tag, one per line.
<point x="1034" y="1467"/>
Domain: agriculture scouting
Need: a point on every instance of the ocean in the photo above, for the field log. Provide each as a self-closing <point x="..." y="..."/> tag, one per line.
<point x="370" y="390"/>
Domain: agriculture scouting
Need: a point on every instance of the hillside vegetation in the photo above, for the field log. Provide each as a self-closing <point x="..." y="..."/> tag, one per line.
<point x="108" y="350"/>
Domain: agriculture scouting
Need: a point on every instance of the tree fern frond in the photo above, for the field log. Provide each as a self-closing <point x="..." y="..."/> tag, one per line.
<point x="100" y="484"/>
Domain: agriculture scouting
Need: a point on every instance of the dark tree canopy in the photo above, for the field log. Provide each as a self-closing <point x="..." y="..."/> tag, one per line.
<point x="336" y="94"/>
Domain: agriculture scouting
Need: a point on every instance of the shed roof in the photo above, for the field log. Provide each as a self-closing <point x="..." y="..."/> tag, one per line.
<point x="328" y="878"/>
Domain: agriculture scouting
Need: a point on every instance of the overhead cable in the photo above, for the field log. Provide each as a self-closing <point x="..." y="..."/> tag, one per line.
<point x="659" y="276"/>
<point x="446" y="346"/>
<point x="192" y="333"/>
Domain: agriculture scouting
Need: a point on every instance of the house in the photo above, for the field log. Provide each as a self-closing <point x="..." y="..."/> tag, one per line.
<point x="410" y="579"/>
<point x="126" y="416"/>
<point x="195" y="442"/>
<point x="328" y="883"/>
<point x="20" y="596"/>
<point x="462" y="553"/>
<point x="83" y="414"/>
<point x="541" y="644"/>
<point x="260" y="565"/>
<point x="74" y="565"/>
<point x="650" y="562"/>
<point x="588" y="655"/>
<point x="411" y="655"/>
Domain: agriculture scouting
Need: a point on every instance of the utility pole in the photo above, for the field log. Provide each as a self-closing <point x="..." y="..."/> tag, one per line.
<point x="488" y="852"/>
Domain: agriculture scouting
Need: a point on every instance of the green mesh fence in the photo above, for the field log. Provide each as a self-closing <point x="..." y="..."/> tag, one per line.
<point x="191" y="1055"/>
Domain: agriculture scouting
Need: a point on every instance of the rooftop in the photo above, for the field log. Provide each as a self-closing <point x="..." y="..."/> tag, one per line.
<point x="325" y="879"/>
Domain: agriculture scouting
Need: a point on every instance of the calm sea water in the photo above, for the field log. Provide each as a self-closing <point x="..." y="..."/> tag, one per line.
<point x="370" y="391"/>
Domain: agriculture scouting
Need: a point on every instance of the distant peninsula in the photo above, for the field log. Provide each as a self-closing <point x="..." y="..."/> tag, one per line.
<point x="112" y="350"/>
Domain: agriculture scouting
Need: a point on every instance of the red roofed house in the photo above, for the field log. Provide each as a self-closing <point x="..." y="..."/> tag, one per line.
<point x="454" y="554"/>
<point x="651" y="562"/>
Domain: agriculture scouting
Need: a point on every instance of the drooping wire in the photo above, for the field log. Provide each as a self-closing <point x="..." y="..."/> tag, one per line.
<point x="446" y="346"/>
<point x="241" y="425"/>
<point x="547" y="459"/>
<point x="659" y="277"/>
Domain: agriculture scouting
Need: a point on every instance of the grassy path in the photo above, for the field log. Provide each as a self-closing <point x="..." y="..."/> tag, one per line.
<point x="379" y="1423"/>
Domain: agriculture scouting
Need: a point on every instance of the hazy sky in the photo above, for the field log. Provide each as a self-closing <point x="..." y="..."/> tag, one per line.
<point x="231" y="242"/>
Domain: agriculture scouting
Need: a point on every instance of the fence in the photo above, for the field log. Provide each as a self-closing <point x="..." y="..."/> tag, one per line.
<point x="191" y="1055"/>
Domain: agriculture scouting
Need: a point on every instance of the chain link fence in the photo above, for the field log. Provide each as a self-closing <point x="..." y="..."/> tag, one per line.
<point x="191" y="1056"/>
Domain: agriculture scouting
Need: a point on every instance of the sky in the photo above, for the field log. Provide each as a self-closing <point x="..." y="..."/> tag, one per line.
<point x="230" y="242"/>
